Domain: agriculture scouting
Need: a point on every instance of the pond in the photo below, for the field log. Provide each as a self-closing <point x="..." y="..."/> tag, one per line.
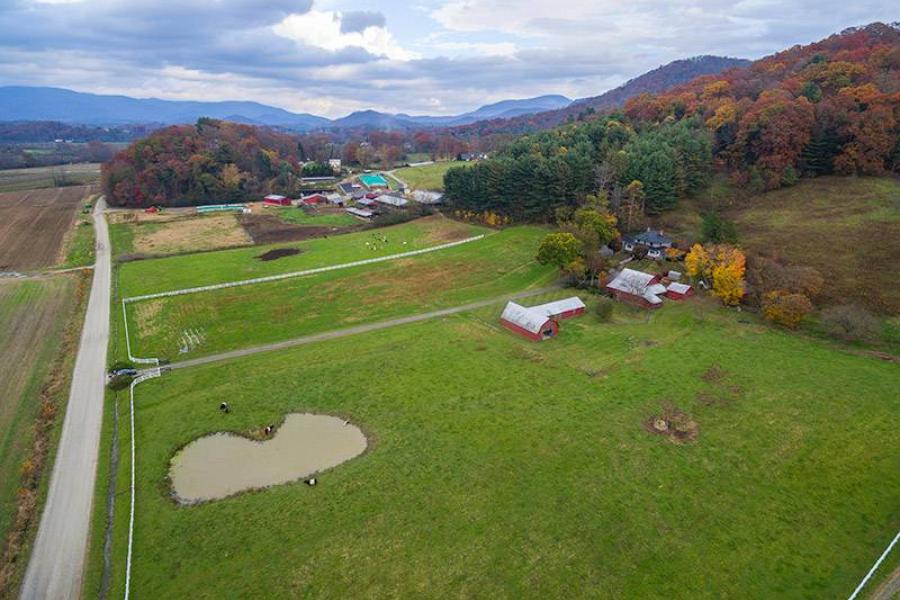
<point x="223" y="464"/>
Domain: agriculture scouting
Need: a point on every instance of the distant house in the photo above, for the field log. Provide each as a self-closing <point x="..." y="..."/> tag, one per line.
<point x="430" y="198"/>
<point x="314" y="199"/>
<point x="276" y="200"/>
<point x="655" y="242"/>
<point x="392" y="201"/>
<point x="679" y="291"/>
<point x="335" y="164"/>
<point x="335" y="199"/>
<point x="366" y="202"/>
<point x="637" y="288"/>
<point x="360" y="212"/>
<point x="470" y="156"/>
<point x="540" y="322"/>
<point x="353" y="190"/>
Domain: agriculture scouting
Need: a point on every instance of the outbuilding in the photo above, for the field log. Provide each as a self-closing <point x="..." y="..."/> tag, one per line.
<point x="679" y="291"/>
<point x="360" y="212"/>
<point x="276" y="200"/>
<point x="637" y="288"/>
<point x="392" y="201"/>
<point x="314" y="199"/>
<point x="527" y="322"/>
<point x="562" y="309"/>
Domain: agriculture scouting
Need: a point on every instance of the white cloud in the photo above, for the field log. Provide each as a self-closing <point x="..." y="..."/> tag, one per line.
<point x="322" y="29"/>
<point x="478" y="48"/>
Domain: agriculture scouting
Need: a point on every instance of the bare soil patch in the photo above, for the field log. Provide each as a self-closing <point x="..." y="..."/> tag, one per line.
<point x="35" y="223"/>
<point x="674" y="424"/>
<point x="269" y="229"/>
<point x="277" y="253"/>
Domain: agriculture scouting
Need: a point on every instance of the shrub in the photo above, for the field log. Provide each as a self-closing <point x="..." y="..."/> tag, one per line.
<point x="786" y="308"/>
<point x="604" y="310"/>
<point x="851" y="323"/>
<point x="120" y="382"/>
<point x="717" y="230"/>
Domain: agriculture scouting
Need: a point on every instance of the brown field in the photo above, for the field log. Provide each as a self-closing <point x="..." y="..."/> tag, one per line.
<point x="188" y="234"/>
<point x="32" y="317"/>
<point x="34" y="225"/>
<point x="269" y="229"/>
<point x="14" y="180"/>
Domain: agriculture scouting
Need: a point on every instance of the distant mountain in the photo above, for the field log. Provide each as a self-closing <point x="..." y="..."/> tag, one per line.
<point x="67" y="106"/>
<point x="655" y="81"/>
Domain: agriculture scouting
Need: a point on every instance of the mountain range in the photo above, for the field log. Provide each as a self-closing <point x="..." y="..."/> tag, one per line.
<point x="21" y="103"/>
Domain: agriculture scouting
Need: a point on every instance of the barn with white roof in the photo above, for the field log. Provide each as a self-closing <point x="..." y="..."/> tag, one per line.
<point x="637" y="288"/>
<point x="540" y="322"/>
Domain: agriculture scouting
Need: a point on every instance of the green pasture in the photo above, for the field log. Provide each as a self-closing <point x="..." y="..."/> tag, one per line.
<point x="504" y="468"/>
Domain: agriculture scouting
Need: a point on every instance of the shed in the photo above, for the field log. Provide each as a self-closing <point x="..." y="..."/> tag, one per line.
<point x="391" y="200"/>
<point x="637" y="288"/>
<point x="679" y="291"/>
<point x="360" y="212"/>
<point x="276" y="200"/>
<point x="314" y="199"/>
<point x="527" y="322"/>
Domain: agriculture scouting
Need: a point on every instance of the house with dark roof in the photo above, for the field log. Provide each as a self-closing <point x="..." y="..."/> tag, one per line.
<point x="655" y="241"/>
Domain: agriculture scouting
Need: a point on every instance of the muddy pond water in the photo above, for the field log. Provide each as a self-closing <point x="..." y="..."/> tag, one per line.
<point x="223" y="464"/>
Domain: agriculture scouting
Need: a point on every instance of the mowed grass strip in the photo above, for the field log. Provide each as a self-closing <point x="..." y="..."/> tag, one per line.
<point x="500" y="467"/>
<point x="322" y="218"/>
<point x="32" y="316"/>
<point x="178" y="272"/>
<point x="209" y="322"/>
<point x="428" y="177"/>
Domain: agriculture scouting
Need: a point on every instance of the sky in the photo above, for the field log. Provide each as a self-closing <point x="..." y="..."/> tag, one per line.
<point x="437" y="57"/>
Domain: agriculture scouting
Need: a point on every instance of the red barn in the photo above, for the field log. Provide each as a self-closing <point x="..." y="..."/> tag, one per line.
<point x="528" y="322"/>
<point x="314" y="199"/>
<point x="637" y="288"/>
<point x="276" y="200"/>
<point x="679" y="291"/>
<point x="562" y="309"/>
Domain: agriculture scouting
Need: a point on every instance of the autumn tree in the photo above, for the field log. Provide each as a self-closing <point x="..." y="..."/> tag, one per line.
<point x="786" y="308"/>
<point x="559" y="249"/>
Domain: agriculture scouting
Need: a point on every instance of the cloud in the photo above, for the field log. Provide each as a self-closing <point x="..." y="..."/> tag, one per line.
<point x="447" y="56"/>
<point x="326" y="30"/>
<point x="359" y="21"/>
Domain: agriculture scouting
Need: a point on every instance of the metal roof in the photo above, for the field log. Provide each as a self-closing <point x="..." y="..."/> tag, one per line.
<point x="679" y="288"/>
<point x="649" y="238"/>
<point x="275" y="197"/>
<point x="637" y="283"/>
<point x="526" y="318"/>
<point x="559" y="306"/>
<point x="360" y="212"/>
<point x="392" y="200"/>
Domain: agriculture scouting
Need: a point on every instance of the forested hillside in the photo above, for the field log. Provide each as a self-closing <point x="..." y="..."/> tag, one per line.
<point x="212" y="161"/>
<point x="832" y="106"/>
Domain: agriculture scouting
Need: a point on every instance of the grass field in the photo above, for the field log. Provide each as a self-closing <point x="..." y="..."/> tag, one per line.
<point x="169" y="233"/>
<point x="80" y="247"/>
<point x="32" y="316"/>
<point x="14" y="180"/>
<point x="847" y="228"/>
<point x="238" y="317"/>
<point x="427" y="177"/>
<point x="149" y="276"/>
<point x="323" y="218"/>
<point x="499" y="467"/>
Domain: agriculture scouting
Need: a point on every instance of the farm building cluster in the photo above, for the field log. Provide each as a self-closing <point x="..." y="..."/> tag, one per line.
<point x="540" y="322"/>
<point x="645" y="290"/>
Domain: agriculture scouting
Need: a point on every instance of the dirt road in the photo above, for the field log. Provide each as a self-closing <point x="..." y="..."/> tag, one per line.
<point x="331" y="335"/>
<point x="60" y="550"/>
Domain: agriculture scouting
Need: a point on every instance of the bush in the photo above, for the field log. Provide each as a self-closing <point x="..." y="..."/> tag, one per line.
<point x="716" y="229"/>
<point x="851" y="323"/>
<point x="120" y="382"/>
<point x="786" y="308"/>
<point x="604" y="310"/>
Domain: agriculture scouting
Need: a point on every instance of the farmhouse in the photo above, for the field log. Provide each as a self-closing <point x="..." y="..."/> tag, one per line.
<point x="276" y="200"/>
<point x="679" y="291"/>
<point x="655" y="242"/>
<point x="637" y="288"/>
<point x="540" y="322"/>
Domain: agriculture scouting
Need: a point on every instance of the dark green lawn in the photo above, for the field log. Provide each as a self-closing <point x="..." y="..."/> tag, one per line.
<point x="504" y="468"/>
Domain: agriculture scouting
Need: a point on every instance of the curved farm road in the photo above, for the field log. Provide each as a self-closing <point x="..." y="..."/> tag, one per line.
<point x="58" y="557"/>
